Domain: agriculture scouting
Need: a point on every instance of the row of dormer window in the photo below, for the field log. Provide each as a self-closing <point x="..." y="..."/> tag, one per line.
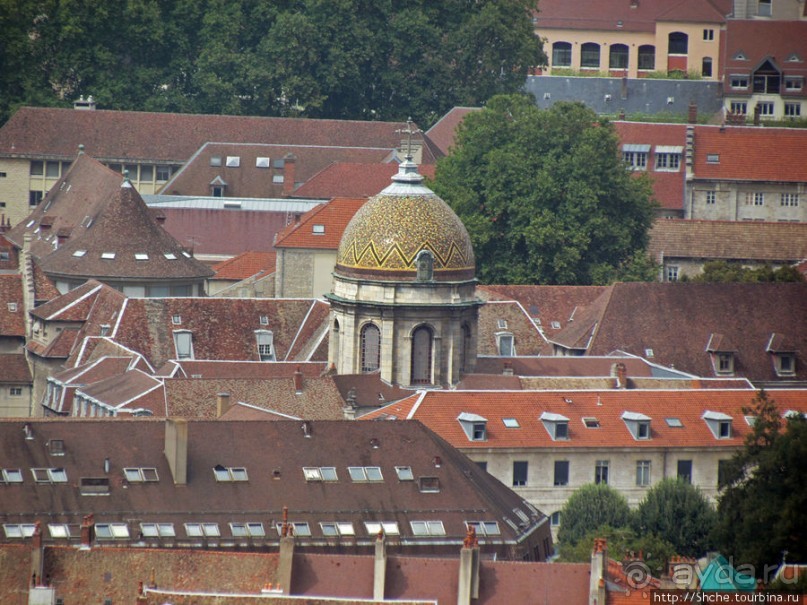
<point x="249" y="529"/>
<point x="557" y="425"/>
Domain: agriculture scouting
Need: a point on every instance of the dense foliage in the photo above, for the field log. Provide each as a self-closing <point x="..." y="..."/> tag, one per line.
<point x="356" y="59"/>
<point x="544" y="194"/>
<point x="678" y="512"/>
<point x="722" y="271"/>
<point x="592" y="506"/>
<point x="762" y="508"/>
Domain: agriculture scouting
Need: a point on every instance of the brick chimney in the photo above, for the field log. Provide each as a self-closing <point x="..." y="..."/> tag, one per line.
<point x="289" y="173"/>
<point x="176" y="448"/>
<point x="285" y="564"/>
<point x="468" y="587"/>
<point x="620" y="373"/>
<point x="298" y="381"/>
<point x="380" y="567"/>
<point x="692" y="115"/>
<point x="37" y="556"/>
<point x="508" y="369"/>
<point x="87" y="531"/>
<point x="222" y="404"/>
<point x="599" y="564"/>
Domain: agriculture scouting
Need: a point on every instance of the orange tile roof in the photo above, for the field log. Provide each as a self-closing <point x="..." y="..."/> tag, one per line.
<point x="332" y="216"/>
<point x="443" y="133"/>
<point x="12" y="322"/>
<point x="751" y="153"/>
<point x="353" y="179"/>
<point x="245" y="265"/>
<point x="439" y="411"/>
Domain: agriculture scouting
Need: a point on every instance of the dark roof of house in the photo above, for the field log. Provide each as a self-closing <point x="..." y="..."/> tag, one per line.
<point x="172" y="137"/>
<point x="272" y="455"/>
<point x="510" y="317"/>
<point x="748" y="241"/>
<point x="672" y="323"/>
<point x="443" y="133"/>
<point x="343" y="179"/>
<point x="15" y="369"/>
<point x="249" y="179"/>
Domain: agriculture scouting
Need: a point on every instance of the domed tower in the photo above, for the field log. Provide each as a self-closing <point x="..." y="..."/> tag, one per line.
<point x="403" y="300"/>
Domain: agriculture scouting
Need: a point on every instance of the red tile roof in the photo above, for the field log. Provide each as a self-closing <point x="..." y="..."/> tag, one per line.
<point x="342" y="179"/>
<point x="443" y="133"/>
<point x="14" y="369"/>
<point x="751" y="153"/>
<point x="439" y="411"/>
<point x="245" y="265"/>
<point x="332" y="217"/>
<point x="12" y="313"/>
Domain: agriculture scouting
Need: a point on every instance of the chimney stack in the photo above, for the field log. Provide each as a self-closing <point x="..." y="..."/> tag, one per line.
<point x="284" y="566"/>
<point x="508" y="369"/>
<point x="620" y="373"/>
<point x="692" y="116"/>
<point x="469" y="569"/>
<point x="176" y="448"/>
<point x="380" y="569"/>
<point x="87" y="531"/>
<point x="599" y="563"/>
<point x="289" y="173"/>
<point x="37" y="555"/>
<point x="222" y="404"/>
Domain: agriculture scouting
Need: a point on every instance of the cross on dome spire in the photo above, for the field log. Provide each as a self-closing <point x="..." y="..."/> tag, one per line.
<point x="409" y="131"/>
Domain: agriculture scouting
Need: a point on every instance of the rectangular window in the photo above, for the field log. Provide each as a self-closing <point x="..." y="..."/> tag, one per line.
<point x="244" y="530"/>
<point x="37" y="168"/>
<point x="739" y="107"/>
<point x="765" y="109"/>
<point x="199" y="530"/>
<point x="163" y="173"/>
<point x="792" y="110"/>
<point x="685" y="470"/>
<point x="265" y="339"/>
<point x="739" y="81"/>
<point x="52" y="170"/>
<point x="224" y="473"/>
<point x="722" y="472"/>
<point x="15" y="391"/>
<point x="365" y="473"/>
<point x="643" y="473"/>
<point x="390" y="528"/>
<point x="157" y="530"/>
<point x="19" y="530"/>
<point x="561" y="472"/>
<point x="765" y="8"/>
<point x="338" y="528"/>
<point x="34" y="197"/>
<point x="111" y="531"/>
<point x="590" y="55"/>
<point x="11" y="475"/>
<point x="756" y="198"/>
<point x="711" y="198"/>
<point x="635" y="159"/>
<point x="427" y="528"/>
<point x="708" y="34"/>
<point x="561" y="54"/>
<point x="668" y="161"/>
<point x="484" y="528"/>
<point x="520" y="469"/>
<point x="49" y="475"/>
<point x="506" y="348"/>
<point x="672" y="273"/>
<point x="183" y="342"/>
<point x="321" y="473"/>
<point x="146" y="173"/>
<point x="601" y="472"/>
<point x="404" y="473"/>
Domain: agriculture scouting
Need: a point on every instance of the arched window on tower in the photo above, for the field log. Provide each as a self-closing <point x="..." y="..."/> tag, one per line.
<point x="422" y="339"/>
<point x="370" y="348"/>
<point x="335" y="340"/>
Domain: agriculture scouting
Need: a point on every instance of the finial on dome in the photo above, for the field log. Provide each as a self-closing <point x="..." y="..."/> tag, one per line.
<point x="408" y="170"/>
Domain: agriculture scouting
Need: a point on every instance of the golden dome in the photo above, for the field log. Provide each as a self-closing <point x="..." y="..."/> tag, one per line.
<point x="384" y="238"/>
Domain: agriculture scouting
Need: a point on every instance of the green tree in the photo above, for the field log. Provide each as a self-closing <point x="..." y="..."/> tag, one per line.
<point x="592" y="505"/>
<point x="544" y="194"/>
<point x="680" y="514"/>
<point x="761" y="508"/>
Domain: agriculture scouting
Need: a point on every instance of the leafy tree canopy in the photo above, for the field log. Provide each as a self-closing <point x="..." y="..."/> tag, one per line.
<point x="680" y="514"/>
<point x="544" y="194"/>
<point x="722" y="271"/>
<point x="762" y="507"/>
<point x="355" y="59"/>
<point x="593" y="505"/>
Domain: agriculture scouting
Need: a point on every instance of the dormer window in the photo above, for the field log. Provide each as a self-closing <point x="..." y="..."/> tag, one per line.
<point x="183" y="343"/>
<point x="783" y="355"/>
<point x="718" y="423"/>
<point x="722" y="354"/>
<point x="506" y="344"/>
<point x="556" y="425"/>
<point x="638" y="425"/>
<point x="475" y="426"/>
<point x="266" y="347"/>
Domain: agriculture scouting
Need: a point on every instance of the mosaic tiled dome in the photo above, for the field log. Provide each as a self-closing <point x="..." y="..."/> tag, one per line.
<point x="386" y="235"/>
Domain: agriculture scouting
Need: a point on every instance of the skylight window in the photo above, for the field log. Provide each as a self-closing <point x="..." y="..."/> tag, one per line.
<point x="186" y="254"/>
<point x="49" y="475"/>
<point x="591" y="423"/>
<point x="674" y="422"/>
<point x="247" y="530"/>
<point x="262" y="162"/>
<point x="12" y="475"/>
<point x="320" y="473"/>
<point x="170" y="256"/>
<point x="108" y="255"/>
<point x="318" y="229"/>
<point x="227" y="473"/>
<point x="141" y="256"/>
<point x="390" y="528"/>
<point x="233" y="161"/>
<point x="215" y="160"/>
<point x="58" y="531"/>
<point x="556" y="325"/>
<point x="428" y="528"/>
<point x="176" y="320"/>
<point x="511" y="423"/>
<point x="484" y="528"/>
<point x="200" y="530"/>
<point x="404" y="473"/>
<point x="79" y="253"/>
<point x="140" y="475"/>
<point x="157" y="530"/>
<point x="365" y="473"/>
<point x="429" y="485"/>
<point x="19" y="530"/>
<point x="337" y="528"/>
<point x="264" y="320"/>
<point x="298" y="528"/>
<point x="111" y="531"/>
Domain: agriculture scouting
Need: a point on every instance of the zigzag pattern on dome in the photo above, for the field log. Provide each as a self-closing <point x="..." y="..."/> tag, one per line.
<point x="395" y="259"/>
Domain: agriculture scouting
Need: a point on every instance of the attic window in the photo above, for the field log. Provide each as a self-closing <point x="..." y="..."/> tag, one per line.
<point x="12" y="307"/>
<point x="674" y="423"/>
<point x="19" y="530"/>
<point x="511" y="423"/>
<point x="429" y="485"/>
<point x="502" y="323"/>
<point x="215" y="160"/>
<point x="718" y="423"/>
<point x="227" y="473"/>
<point x="56" y="447"/>
<point x="428" y="528"/>
<point x="712" y="158"/>
<point x="94" y="486"/>
<point x="784" y="364"/>
<point x="79" y="253"/>
<point x="157" y="530"/>
<point x="318" y="229"/>
<point x="12" y="475"/>
<point x="556" y="425"/>
<point x="265" y="341"/>
<point x="591" y="422"/>
<point x="104" y="329"/>
<point x="108" y="255"/>
<point x="404" y="473"/>
<point x="262" y="162"/>
<point x="170" y="256"/>
<point x="475" y="426"/>
<point x="49" y="475"/>
<point x="140" y="474"/>
<point x="233" y="161"/>
<point x="186" y="254"/>
<point x="793" y="58"/>
<point x="298" y="528"/>
<point x="638" y="424"/>
<point x="277" y="178"/>
<point x="649" y="353"/>
<point x="244" y="530"/>
<point x="320" y="473"/>
<point x="484" y="528"/>
<point x="338" y="528"/>
<point x="506" y="344"/>
<point x="141" y="256"/>
<point x="740" y="56"/>
<point x="199" y="530"/>
<point x="264" y="320"/>
<point x="390" y="528"/>
<point x="111" y="531"/>
<point x="59" y="531"/>
<point x="176" y="320"/>
<point x="183" y="343"/>
<point x="556" y="325"/>
<point x="365" y="473"/>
